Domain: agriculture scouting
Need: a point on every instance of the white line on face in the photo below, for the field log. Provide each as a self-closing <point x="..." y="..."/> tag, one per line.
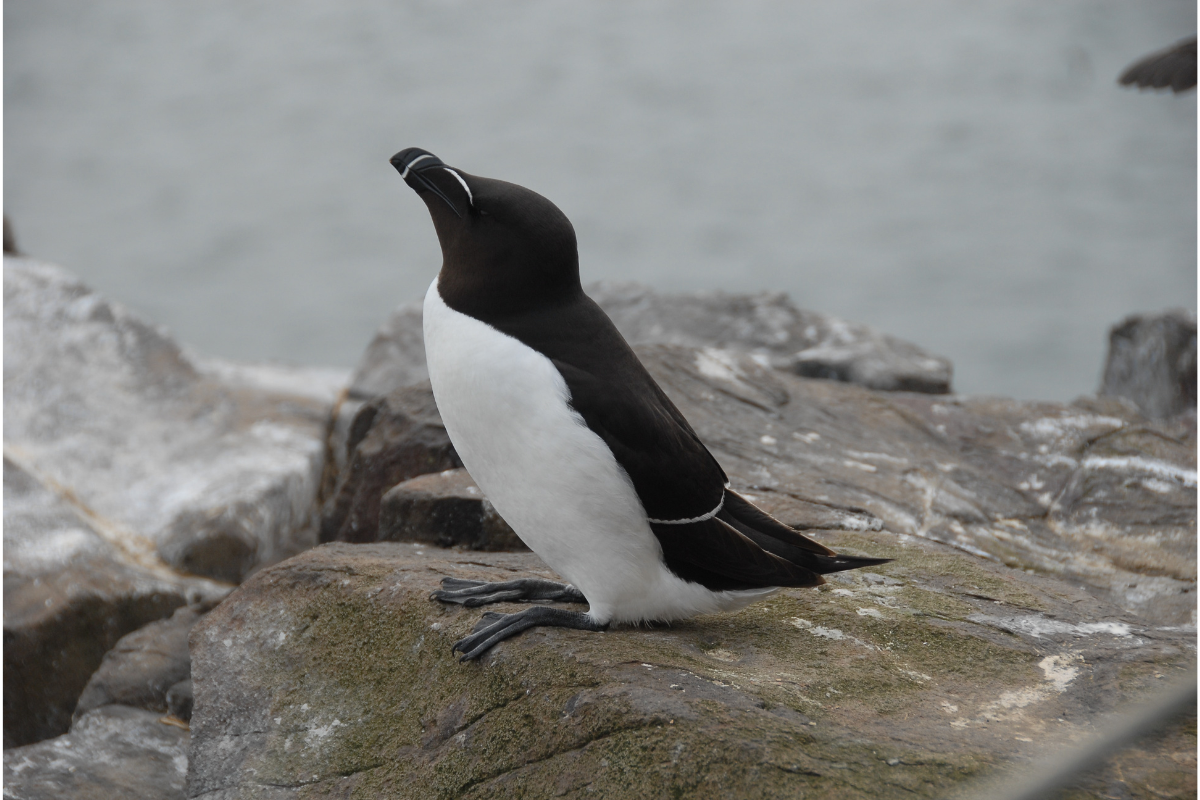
<point x="470" y="197"/>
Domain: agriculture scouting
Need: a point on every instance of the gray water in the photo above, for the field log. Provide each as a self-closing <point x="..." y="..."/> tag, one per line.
<point x="964" y="175"/>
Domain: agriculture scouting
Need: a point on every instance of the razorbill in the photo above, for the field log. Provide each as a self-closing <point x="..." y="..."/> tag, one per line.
<point x="571" y="439"/>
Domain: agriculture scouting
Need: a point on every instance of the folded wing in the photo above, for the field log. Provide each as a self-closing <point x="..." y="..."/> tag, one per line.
<point x="709" y="534"/>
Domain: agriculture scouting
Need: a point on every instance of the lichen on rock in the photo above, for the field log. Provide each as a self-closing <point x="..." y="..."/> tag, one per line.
<point x="333" y="673"/>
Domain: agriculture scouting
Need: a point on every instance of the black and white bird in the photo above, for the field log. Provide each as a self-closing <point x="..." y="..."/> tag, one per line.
<point x="570" y="438"/>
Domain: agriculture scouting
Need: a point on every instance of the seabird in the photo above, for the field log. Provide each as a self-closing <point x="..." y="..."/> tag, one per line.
<point x="569" y="436"/>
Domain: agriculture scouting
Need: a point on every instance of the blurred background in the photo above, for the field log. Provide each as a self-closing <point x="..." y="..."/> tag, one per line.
<point x="967" y="176"/>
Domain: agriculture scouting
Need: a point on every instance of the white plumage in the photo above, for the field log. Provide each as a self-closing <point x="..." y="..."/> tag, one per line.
<point x="505" y="407"/>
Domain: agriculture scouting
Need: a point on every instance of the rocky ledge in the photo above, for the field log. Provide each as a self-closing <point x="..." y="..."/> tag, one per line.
<point x="1045" y="572"/>
<point x="330" y="675"/>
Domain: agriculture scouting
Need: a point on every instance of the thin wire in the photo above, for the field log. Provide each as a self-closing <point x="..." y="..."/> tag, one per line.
<point x="1044" y="778"/>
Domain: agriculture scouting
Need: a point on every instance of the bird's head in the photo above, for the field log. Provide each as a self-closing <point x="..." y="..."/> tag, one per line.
<point x="503" y="245"/>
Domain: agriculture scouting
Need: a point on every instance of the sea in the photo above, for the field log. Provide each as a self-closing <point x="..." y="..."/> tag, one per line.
<point x="968" y="176"/>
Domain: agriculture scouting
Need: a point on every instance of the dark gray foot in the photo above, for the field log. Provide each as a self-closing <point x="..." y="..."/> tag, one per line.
<point x="478" y="593"/>
<point x="495" y="627"/>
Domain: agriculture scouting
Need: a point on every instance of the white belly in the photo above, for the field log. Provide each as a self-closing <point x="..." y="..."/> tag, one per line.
<point x="505" y="407"/>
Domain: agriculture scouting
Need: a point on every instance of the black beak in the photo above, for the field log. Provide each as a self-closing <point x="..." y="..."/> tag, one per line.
<point x="414" y="165"/>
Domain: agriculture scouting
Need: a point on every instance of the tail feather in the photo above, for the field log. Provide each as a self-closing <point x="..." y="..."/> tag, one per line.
<point x="839" y="563"/>
<point x="780" y="540"/>
<point x="754" y="517"/>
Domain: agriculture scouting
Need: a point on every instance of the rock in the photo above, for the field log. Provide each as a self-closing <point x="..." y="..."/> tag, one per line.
<point x="446" y="509"/>
<point x="217" y="465"/>
<point x="1152" y="363"/>
<point x="331" y="675"/>
<point x="1174" y="67"/>
<point x="1097" y="496"/>
<point x="766" y="325"/>
<point x="394" y="358"/>
<point x="393" y="437"/>
<point x="112" y="753"/>
<point x="10" y="238"/>
<point x="74" y="584"/>
<point x="1044" y="573"/>
<point x="1088" y="492"/>
<point x="179" y="700"/>
<point x="143" y="666"/>
<point x="769" y="326"/>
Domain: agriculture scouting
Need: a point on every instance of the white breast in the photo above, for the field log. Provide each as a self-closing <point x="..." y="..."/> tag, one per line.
<point x="553" y="480"/>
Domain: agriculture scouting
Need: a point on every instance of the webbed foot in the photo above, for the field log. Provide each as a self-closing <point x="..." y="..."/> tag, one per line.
<point x="479" y="593"/>
<point x="495" y="627"/>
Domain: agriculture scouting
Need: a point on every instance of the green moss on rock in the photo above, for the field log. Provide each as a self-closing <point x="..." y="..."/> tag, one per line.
<point x="874" y="687"/>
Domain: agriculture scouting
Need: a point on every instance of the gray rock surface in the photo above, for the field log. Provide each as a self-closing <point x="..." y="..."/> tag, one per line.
<point x="770" y="327"/>
<point x="766" y="325"/>
<point x="1044" y="573"/>
<point x="446" y="509"/>
<point x="395" y="356"/>
<point x="393" y="437"/>
<point x="143" y="666"/>
<point x="1090" y="492"/>
<point x="112" y="753"/>
<point x="217" y="465"/>
<point x="330" y="675"/>
<point x="1152" y="363"/>
<point x="1046" y="570"/>
<point x="74" y="584"/>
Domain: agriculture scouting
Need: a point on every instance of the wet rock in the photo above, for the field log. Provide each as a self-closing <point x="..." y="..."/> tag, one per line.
<point x="446" y="509"/>
<point x="112" y="753"/>
<point x="216" y="464"/>
<point x="331" y="675"/>
<point x="393" y="437"/>
<point x="1152" y="363"/>
<point x="766" y="325"/>
<point x="143" y="666"/>
<point x="74" y="584"/>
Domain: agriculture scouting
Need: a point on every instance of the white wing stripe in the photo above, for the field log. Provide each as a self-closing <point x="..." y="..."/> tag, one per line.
<point x="700" y="518"/>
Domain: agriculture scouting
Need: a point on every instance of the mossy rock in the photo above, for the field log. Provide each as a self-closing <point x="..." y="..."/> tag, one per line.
<point x="330" y="675"/>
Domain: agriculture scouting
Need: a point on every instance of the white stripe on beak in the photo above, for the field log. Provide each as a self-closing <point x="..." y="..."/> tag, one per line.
<point x="414" y="161"/>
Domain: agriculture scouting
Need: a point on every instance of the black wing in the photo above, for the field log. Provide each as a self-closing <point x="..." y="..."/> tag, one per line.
<point x="674" y="474"/>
